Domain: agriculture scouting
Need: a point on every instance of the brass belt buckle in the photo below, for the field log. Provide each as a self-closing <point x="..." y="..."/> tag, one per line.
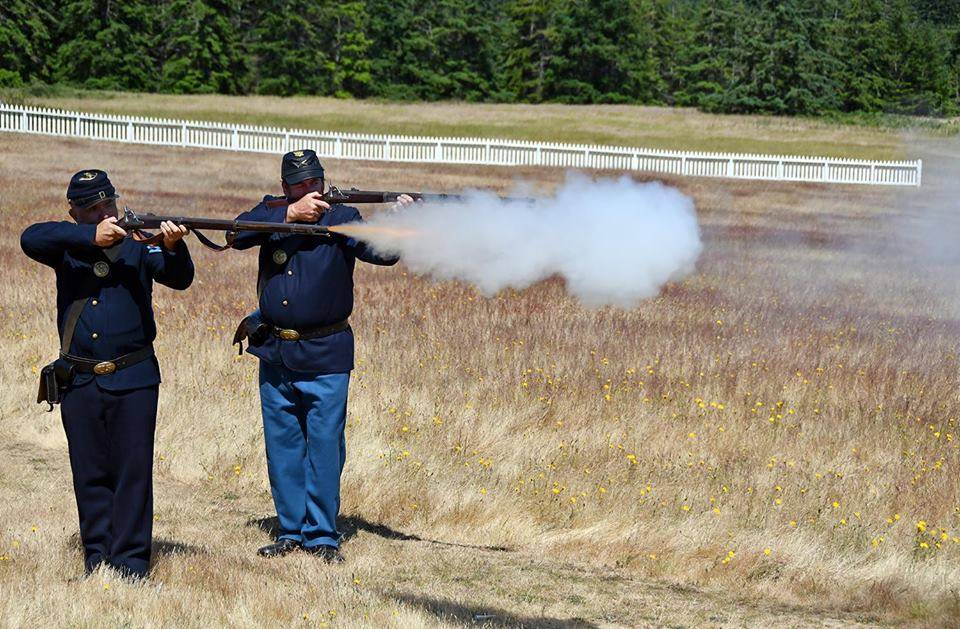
<point x="289" y="335"/>
<point x="104" y="368"/>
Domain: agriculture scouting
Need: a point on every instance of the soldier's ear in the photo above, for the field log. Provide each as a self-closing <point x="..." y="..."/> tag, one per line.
<point x="72" y="213"/>
<point x="286" y="189"/>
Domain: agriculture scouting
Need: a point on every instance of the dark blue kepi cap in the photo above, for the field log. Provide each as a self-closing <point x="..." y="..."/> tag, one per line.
<point x="300" y="165"/>
<point x="90" y="186"/>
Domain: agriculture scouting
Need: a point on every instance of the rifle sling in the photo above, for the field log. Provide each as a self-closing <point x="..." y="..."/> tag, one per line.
<point x="145" y="238"/>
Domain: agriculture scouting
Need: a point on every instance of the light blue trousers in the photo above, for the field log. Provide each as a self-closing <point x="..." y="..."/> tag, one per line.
<point x="303" y="421"/>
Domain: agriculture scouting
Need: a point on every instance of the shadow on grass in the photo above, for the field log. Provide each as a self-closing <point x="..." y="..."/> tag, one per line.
<point x="351" y="525"/>
<point x="452" y="611"/>
<point x="162" y="547"/>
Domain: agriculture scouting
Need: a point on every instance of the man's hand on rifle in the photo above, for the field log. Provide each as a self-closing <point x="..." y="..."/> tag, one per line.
<point x="308" y="209"/>
<point x="402" y="201"/>
<point x="172" y="233"/>
<point x="108" y="233"/>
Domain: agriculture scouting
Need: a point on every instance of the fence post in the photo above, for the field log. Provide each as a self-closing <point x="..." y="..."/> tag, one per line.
<point x="919" y="171"/>
<point x="438" y="152"/>
<point x="730" y="169"/>
<point x="634" y="162"/>
<point x="338" y="147"/>
<point x="24" y="123"/>
<point x="235" y="139"/>
<point x="183" y="134"/>
<point x="825" y="172"/>
<point x="386" y="149"/>
<point x="486" y="153"/>
<point x="129" y="131"/>
<point x="780" y="170"/>
<point x="539" y="159"/>
<point x="683" y="164"/>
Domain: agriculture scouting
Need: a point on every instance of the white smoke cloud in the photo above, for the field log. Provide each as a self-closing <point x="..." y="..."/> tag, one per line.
<point x="614" y="241"/>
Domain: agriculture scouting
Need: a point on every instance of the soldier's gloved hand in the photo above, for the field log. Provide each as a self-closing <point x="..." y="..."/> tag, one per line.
<point x="402" y="201"/>
<point x="308" y="209"/>
<point x="108" y="233"/>
<point x="172" y="233"/>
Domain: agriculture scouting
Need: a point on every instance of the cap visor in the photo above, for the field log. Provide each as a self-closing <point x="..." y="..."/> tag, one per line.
<point x="93" y="202"/>
<point x="303" y="175"/>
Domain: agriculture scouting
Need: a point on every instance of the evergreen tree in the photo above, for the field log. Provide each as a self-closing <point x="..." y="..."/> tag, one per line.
<point x="604" y="53"/>
<point x="346" y="65"/>
<point x="311" y="48"/>
<point x="674" y="33"/>
<point x="107" y="45"/>
<point x="706" y="63"/>
<point x="25" y="42"/>
<point x="199" y="47"/>
<point x="954" y="69"/>
<point x="865" y="47"/>
<point x="919" y="66"/>
<point x="529" y="48"/>
<point x="784" y="65"/>
<point x="434" y="49"/>
<point x="398" y="46"/>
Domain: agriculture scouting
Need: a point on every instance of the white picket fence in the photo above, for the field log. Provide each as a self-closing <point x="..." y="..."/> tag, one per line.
<point x="455" y="150"/>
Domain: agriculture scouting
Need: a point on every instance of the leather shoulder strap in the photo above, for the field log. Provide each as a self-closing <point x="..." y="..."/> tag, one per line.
<point x="113" y="253"/>
<point x="70" y="323"/>
<point x="76" y="307"/>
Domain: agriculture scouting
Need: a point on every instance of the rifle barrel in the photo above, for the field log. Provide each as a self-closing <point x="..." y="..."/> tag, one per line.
<point x="336" y="195"/>
<point x="131" y="220"/>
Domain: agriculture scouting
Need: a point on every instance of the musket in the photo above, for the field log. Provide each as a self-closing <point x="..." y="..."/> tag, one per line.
<point x="335" y="195"/>
<point x="135" y="223"/>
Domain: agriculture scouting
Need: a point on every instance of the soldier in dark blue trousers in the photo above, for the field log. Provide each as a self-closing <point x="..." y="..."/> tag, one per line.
<point x="305" y="345"/>
<point x="107" y="377"/>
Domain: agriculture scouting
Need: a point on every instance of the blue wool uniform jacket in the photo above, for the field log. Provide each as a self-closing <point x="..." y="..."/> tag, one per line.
<point x="311" y="288"/>
<point x="118" y="316"/>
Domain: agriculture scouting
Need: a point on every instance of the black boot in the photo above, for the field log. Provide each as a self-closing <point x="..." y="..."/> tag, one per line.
<point x="280" y="548"/>
<point x="329" y="554"/>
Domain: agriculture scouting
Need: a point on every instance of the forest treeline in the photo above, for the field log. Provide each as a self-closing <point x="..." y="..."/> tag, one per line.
<point x="805" y="57"/>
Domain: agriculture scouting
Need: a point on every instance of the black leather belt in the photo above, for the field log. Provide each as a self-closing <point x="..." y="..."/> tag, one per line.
<point x="105" y="367"/>
<point x="287" y="334"/>
<point x="256" y="332"/>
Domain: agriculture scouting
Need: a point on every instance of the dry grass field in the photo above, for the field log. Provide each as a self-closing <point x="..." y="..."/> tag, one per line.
<point x="772" y="442"/>
<point x="620" y="125"/>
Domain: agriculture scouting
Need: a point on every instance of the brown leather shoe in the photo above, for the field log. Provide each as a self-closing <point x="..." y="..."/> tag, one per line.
<point x="329" y="554"/>
<point x="280" y="548"/>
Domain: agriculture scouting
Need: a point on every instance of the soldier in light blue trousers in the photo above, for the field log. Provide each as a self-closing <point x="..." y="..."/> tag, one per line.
<point x="305" y="345"/>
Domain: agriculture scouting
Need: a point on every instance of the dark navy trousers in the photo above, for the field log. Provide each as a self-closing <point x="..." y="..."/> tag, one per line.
<point x="110" y="436"/>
